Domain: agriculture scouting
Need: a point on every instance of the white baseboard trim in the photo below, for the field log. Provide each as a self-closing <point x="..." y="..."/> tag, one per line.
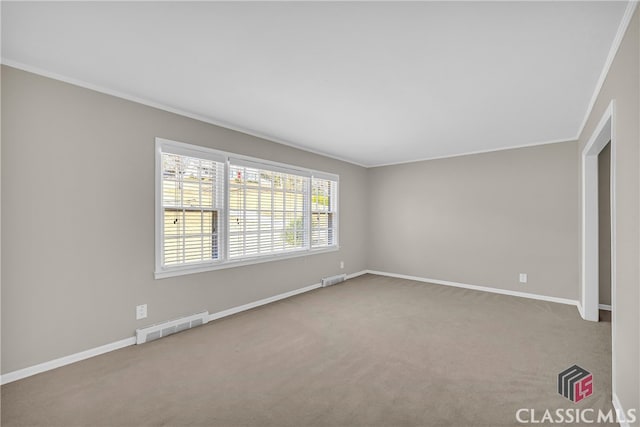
<point x="606" y="307"/>
<point x="249" y="306"/>
<point x="354" y="275"/>
<point x="274" y="298"/>
<point x="479" y="288"/>
<point x="66" y="360"/>
<point x="617" y="406"/>
<point x="580" y="309"/>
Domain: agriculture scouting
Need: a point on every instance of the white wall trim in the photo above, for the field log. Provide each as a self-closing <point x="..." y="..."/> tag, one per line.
<point x="470" y="153"/>
<point x="66" y="360"/>
<point x="617" y="41"/>
<point x="80" y="83"/>
<point x="249" y="306"/>
<point x="356" y="274"/>
<point x="580" y="309"/>
<point x="86" y="354"/>
<point x="206" y="119"/>
<point x="622" y="28"/>
<point x="617" y="406"/>
<point x="605" y="307"/>
<point x="604" y="133"/>
<point x="193" y="269"/>
<point x="479" y="288"/>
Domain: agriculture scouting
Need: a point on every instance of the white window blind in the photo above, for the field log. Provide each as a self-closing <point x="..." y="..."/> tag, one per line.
<point x="192" y="199"/>
<point x="217" y="210"/>
<point x="324" y="197"/>
<point x="268" y="210"/>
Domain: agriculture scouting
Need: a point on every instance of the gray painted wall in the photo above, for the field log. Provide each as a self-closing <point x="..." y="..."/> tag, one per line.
<point x="481" y="219"/>
<point x="623" y="85"/>
<point x="604" y="224"/>
<point x="78" y="233"/>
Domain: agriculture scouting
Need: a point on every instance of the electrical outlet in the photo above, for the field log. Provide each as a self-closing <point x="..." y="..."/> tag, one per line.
<point x="141" y="311"/>
<point x="341" y="264"/>
<point x="523" y="277"/>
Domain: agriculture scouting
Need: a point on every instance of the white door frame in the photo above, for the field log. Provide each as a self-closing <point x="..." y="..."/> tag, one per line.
<point x="604" y="132"/>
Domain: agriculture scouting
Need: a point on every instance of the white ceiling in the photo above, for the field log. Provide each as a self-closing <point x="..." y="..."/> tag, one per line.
<point x="369" y="82"/>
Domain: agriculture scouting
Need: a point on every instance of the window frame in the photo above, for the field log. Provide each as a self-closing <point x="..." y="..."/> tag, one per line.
<point x="163" y="145"/>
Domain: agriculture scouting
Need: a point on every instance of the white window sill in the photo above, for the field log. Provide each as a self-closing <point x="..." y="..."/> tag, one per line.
<point x="200" y="268"/>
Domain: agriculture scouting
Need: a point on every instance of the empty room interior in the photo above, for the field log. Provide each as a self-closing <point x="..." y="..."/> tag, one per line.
<point x="320" y="213"/>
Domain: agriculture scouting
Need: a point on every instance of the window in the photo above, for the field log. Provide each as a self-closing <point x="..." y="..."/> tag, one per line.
<point x="216" y="210"/>
<point x="266" y="210"/>
<point x="192" y="196"/>
<point x="323" y="212"/>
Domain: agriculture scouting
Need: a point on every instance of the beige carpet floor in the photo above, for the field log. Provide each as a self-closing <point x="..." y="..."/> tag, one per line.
<point x="374" y="351"/>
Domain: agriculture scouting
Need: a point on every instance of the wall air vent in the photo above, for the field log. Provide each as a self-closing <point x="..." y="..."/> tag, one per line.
<point x="333" y="280"/>
<point x="164" y="329"/>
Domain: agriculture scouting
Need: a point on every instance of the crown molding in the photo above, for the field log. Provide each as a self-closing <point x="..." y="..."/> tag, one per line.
<point x="185" y="113"/>
<point x="469" y="153"/>
<point x="615" y="46"/>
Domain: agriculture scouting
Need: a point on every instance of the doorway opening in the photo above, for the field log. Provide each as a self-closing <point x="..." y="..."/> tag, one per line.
<point x="602" y="137"/>
<point x="604" y="229"/>
<point x="602" y="140"/>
